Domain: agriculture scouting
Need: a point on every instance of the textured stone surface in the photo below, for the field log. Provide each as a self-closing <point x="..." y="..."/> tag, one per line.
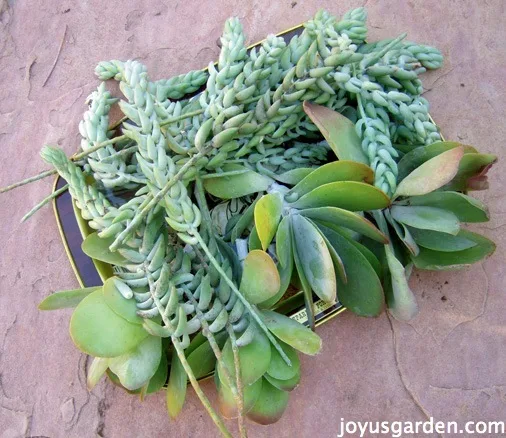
<point x="448" y="363"/>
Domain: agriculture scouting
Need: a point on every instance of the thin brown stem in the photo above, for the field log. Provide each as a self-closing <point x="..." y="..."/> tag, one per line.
<point x="238" y="383"/>
<point x="45" y="201"/>
<point x="189" y="372"/>
<point x="142" y="212"/>
<point x="75" y="157"/>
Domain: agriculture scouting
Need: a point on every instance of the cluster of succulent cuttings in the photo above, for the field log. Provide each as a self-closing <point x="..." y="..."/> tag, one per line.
<point x="300" y="170"/>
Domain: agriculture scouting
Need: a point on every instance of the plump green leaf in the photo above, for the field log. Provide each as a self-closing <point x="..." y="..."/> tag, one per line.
<point x="439" y="260"/>
<point x="176" y="388"/>
<point x="284" y="242"/>
<point x="235" y="186"/>
<point x="285" y="276"/>
<point x="472" y="172"/>
<point x="284" y="385"/>
<point x="202" y="360"/>
<point x="400" y="299"/>
<point x="155" y="329"/>
<point x="278" y="368"/>
<point x="350" y="236"/>
<point x="416" y="157"/>
<point x="98" y="248"/>
<point x="260" y="278"/>
<point x="97" y="369"/>
<point x="254" y="358"/>
<point x="404" y="234"/>
<point x="347" y="219"/>
<point x="432" y="174"/>
<point x="228" y="407"/>
<point x="254" y="241"/>
<point x="196" y="342"/>
<point x="315" y="259"/>
<point x="362" y="293"/>
<point x="270" y="405"/>
<point x="267" y="216"/>
<point x="339" y="132"/>
<point x="299" y="279"/>
<point x="349" y="195"/>
<point x="98" y="331"/>
<point x="332" y="172"/>
<point x="427" y="218"/>
<point x="292" y="332"/>
<point x="245" y="220"/>
<point x="467" y="209"/>
<point x="66" y="299"/>
<point x="441" y="241"/>
<point x="127" y="309"/>
<point x="135" y="368"/>
<point x="294" y="176"/>
<point x="160" y="377"/>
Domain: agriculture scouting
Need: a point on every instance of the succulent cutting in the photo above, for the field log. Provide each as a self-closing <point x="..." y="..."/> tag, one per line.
<point x="300" y="169"/>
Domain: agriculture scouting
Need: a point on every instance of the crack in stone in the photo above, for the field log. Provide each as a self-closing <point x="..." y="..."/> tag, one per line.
<point x="458" y="388"/>
<point x="482" y="311"/>
<point x="403" y="378"/>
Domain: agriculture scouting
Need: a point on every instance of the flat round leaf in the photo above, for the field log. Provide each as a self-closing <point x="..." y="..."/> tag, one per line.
<point x="285" y="276"/>
<point x="315" y="259"/>
<point x="254" y="241"/>
<point x="416" y="157"/>
<point x="467" y="209"/>
<point x="292" y="332"/>
<point x="432" y="174"/>
<point x="235" y="186"/>
<point x="349" y="195"/>
<point x="95" y="372"/>
<point x="427" y="218"/>
<point x="98" y="331"/>
<point x="278" y="368"/>
<point x="472" y="172"/>
<point x="260" y="278"/>
<point x="176" y="387"/>
<point x="362" y="293"/>
<point x="228" y="407"/>
<point x="98" y="248"/>
<point x="294" y="176"/>
<point x="254" y="358"/>
<point x="245" y="220"/>
<point x="347" y="219"/>
<point x="267" y="216"/>
<point x="441" y="241"/>
<point x="400" y="299"/>
<point x="202" y="360"/>
<point x="159" y="379"/>
<point x="339" y="132"/>
<point x="299" y="280"/>
<point x="66" y="299"/>
<point x="438" y="260"/>
<point x="284" y="242"/>
<point x="270" y="405"/>
<point x="135" y="368"/>
<point x="332" y="172"/>
<point x="284" y="385"/>
<point x="127" y="309"/>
